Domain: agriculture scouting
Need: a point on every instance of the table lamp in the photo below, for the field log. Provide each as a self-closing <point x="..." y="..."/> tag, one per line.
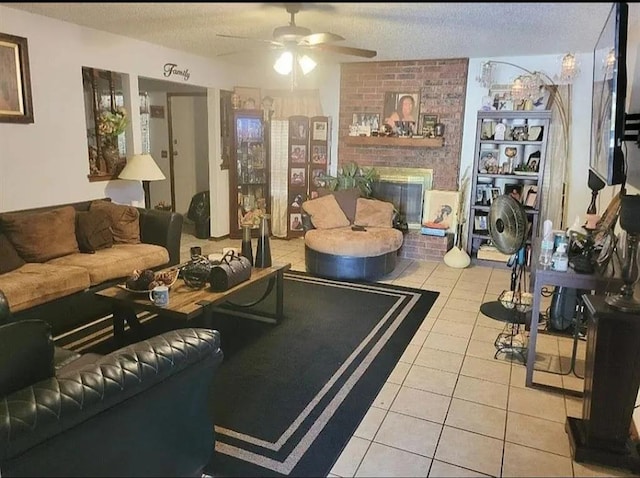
<point x="630" y="222"/>
<point x="142" y="167"/>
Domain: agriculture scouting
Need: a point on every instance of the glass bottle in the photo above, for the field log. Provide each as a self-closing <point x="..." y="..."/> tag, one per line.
<point x="263" y="251"/>
<point x="247" y="247"/>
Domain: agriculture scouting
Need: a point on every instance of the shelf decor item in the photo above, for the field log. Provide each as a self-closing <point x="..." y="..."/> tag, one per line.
<point x="263" y="251"/>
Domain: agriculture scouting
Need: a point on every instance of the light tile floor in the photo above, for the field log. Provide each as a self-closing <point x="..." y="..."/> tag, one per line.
<point x="449" y="409"/>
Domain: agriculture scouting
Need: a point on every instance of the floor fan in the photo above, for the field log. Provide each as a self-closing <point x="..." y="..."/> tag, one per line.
<point x="507" y="224"/>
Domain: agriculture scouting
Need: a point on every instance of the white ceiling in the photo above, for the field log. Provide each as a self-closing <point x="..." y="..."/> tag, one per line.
<point x="397" y="31"/>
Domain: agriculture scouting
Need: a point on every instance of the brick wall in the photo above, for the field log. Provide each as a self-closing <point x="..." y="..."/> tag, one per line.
<point x="442" y="87"/>
<point x="425" y="248"/>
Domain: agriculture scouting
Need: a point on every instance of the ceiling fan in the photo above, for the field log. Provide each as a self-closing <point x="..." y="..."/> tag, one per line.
<point x="297" y="38"/>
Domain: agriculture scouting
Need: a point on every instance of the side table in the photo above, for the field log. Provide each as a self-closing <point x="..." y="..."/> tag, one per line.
<point x="541" y="277"/>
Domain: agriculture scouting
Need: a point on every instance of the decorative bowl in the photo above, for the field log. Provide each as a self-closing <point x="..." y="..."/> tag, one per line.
<point x="167" y="278"/>
<point x="521" y="301"/>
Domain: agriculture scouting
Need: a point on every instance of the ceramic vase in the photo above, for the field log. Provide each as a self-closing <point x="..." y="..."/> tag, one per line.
<point x="247" y="247"/>
<point x="263" y="251"/>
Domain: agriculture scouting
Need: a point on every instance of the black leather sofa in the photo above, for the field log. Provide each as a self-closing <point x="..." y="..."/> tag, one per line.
<point x="142" y="410"/>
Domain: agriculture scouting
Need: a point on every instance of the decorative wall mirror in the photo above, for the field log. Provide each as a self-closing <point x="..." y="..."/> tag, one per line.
<point x="107" y="121"/>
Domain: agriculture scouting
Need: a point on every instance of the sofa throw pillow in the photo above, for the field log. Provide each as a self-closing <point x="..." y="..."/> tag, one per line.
<point x="325" y="213"/>
<point x="125" y="221"/>
<point x="10" y="260"/>
<point x="347" y="199"/>
<point x="374" y="213"/>
<point x="93" y="230"/>
<point x="41" y="236"/>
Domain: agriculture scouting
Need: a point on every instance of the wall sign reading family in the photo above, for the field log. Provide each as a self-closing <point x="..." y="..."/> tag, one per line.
<point x="171" y="69"/>
<point x="15" y="81"/>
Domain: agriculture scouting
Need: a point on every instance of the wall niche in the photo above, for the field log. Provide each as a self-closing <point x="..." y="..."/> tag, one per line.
<point x="107" y="122"/>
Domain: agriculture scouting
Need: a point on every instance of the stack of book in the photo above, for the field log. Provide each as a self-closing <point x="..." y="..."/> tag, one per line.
<point x="490" y="253"/>
<point x="433" y="231"/>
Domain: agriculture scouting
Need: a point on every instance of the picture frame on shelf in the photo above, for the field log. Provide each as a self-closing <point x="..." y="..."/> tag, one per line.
<point x="529" y="195"/>
<point x="366" y="122"/>
<point x="16" y="104"/>
<point x="533" y="162"/>
<point x="480" y="223"/>
<point x="514" y="190"/>
<point x="494" y="193"/>
<point x="249" y="98"/>
<point x="489" y="161"/>
<point x="428" y="125"/>
<point x="401" y="106"/>
<point x="501" y="95"/>
<point x="482" y="195"/>
<point x="545" y="98"/>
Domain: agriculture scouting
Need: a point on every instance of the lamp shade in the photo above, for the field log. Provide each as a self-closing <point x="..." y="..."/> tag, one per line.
<point x="141" y="167"/>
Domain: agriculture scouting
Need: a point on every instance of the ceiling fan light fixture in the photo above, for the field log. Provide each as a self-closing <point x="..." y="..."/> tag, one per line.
<point x="284" y="63"/>
<point x="306" y="64"/>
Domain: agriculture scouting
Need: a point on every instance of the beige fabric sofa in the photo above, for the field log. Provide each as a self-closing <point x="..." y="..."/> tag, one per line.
<point x="350" y="239"/>
<point x="38" y="286"/>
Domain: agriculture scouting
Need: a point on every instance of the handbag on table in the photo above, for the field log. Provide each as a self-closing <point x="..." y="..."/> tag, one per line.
<point x="231" y="270"/>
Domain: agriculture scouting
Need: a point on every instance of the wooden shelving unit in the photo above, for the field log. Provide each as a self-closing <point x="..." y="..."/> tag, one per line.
<point x="491" y="175"/>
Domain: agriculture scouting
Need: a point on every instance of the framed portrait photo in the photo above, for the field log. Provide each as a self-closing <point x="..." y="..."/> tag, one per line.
<point x="401" y="106"/>
<point x="15" y="81"/>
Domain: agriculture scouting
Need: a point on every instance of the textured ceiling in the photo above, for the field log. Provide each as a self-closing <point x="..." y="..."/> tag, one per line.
<point x="397" y="31"/>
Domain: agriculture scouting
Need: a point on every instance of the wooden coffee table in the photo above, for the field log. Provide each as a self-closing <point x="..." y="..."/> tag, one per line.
<point x="186" y="303"/>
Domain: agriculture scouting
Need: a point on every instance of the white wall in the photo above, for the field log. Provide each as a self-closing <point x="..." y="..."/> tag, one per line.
<point x="46" y="162"/>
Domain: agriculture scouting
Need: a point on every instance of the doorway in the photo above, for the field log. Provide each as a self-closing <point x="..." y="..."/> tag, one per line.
<point x="178" y="141"/>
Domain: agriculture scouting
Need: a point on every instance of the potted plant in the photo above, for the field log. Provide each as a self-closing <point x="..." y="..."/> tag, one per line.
<point x="352" y="176"/>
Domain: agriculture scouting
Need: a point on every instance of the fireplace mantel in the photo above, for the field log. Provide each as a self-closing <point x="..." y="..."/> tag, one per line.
<point x="395" y="142"/>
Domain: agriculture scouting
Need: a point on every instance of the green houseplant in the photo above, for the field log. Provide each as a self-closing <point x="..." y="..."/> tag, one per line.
<point x="352" y="176"/>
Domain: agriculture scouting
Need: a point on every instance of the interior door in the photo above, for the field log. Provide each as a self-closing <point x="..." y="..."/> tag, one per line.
<point x="188" y="152"/>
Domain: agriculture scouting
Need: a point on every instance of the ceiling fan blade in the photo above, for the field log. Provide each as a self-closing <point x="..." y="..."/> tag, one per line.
<point x="347" y="50"/>
<point x="271" y="42"/>
<point x="318" y="38"/>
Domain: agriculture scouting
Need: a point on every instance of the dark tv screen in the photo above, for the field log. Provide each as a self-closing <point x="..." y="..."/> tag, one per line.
<point x="609" y="97"/>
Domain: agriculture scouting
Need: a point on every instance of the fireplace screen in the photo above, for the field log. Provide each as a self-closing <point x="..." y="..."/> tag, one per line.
<point x="405" y="189"/>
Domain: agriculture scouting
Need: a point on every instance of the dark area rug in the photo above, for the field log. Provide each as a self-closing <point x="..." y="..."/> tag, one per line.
<point x="288" y="397"/>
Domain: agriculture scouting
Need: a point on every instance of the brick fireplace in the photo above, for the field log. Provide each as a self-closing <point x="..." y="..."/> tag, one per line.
<point x="442" y="88"/>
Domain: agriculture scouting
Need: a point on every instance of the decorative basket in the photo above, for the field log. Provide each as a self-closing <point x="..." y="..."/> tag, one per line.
<point x="167" y="278"/>
<point x="521" y="301"/>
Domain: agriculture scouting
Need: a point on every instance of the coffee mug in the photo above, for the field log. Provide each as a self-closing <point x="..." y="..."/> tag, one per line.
<point x="159" y="295"/>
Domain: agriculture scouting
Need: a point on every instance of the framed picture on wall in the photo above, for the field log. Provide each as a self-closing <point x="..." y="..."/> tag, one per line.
<point x="401" y="106"/>
<point x="319" y="154"/>
<point x="15" y="81"/>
